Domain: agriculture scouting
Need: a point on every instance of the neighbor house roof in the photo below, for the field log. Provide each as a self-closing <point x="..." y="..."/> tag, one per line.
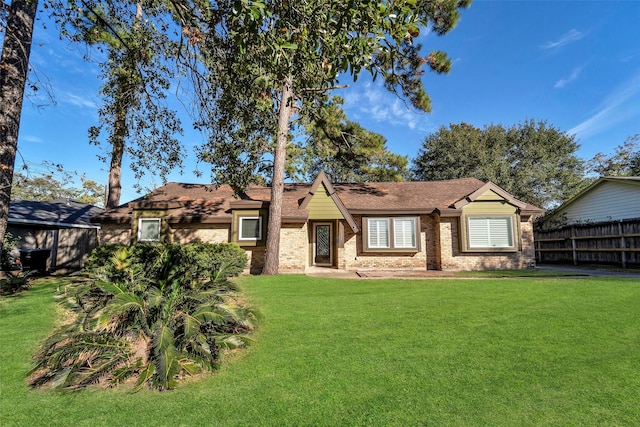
<point x="55" y="213"/>
<point x="209" y="203"/>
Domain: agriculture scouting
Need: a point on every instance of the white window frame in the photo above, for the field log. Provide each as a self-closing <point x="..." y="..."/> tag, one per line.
<point x="489" y="244"/>
<point x="157" y="221"/>
<point x="393" y="225"/>
<point x="413" y="237"/>
<point x="249" y="239"/>
<point x="388" y="233"/>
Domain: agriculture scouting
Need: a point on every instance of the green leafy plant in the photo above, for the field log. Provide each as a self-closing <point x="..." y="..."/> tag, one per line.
<point x="8" y="246"/>
<point x="12" y="279"/>
<point x="13" y="282"/>
<point x="148" y="314"/>
<point x="197" y="259"/>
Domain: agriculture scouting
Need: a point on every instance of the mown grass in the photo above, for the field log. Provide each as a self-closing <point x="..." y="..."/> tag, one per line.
<point x="532" y="351"/>
<point x="517" y="273"/>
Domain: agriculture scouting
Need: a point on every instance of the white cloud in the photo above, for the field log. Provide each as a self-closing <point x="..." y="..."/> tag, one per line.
<point x="373" y="103"/>
<point x="574" y="75"/>
<point x="569" y="37"/>
<point x="76" y="100"/>
<point x="31" y="138"/>
<point x="621" y="104"/>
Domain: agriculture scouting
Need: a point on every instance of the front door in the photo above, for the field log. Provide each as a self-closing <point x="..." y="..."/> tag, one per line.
<point x="323" y="243"/>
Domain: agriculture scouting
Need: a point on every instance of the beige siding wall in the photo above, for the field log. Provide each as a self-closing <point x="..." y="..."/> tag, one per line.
<point x="322" y="206"/>
<point x="453" y="259"/>
<point x="609" y="201"/>
<point x="489" y="207"/>
<point x="206" y="233"/>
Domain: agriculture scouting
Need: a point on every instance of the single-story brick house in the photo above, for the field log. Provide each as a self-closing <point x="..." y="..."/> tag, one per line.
<point x="461" y="224"/>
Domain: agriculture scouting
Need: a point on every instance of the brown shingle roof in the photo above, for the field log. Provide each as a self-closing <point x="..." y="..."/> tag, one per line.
<point x="203" y="203"/>
<point x="388" y="196"/>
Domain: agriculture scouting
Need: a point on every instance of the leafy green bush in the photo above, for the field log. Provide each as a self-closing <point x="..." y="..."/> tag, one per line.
<point x="7" y="261"/>
<point x="152" y="313"/>
<point x="13" y="282"/>
<point x="200" y="260"/>
<point x="101" y="255"/>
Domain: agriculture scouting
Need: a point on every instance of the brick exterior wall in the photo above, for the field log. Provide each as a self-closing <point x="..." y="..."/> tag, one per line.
<point x="453" y="259"/>
<point x="294" y="248"/>
<point x="431" y="246"/>
<point x="356" y="258"/>
<point x="256" y="259"/>
<point x="114" y="233"/>
<point x="207" y="233"/>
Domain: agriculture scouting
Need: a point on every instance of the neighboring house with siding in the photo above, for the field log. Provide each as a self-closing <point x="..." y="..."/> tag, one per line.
<point x="600" y="225"/>
<point x="607" y="199"/>
<point x="62" y="226"/>
<point x="462" y="224"/>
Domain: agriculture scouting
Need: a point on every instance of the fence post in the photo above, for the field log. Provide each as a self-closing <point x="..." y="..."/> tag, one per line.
<point x="623" y="245"/>
<point x="573" y="247"/>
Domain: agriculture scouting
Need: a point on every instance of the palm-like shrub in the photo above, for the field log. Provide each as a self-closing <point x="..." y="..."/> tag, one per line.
<point x="154" y="318"/>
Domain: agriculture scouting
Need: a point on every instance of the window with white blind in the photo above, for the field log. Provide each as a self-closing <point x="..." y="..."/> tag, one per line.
<point x="393" y="234"/>
<point x="378" y="233"/>
<point x="490" y="232"/>
<point x="404" y="232"/>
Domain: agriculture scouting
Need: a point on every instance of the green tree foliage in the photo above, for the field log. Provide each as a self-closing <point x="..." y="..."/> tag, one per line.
<point x="625" y="161"/>
<point x="534" y="161"/>
<point x="137" y="70"/>
<point x="150" y="314"/>
<point x="343" y="149"/>
<point x="47" y="187"/>
<point x="270" y="61"/>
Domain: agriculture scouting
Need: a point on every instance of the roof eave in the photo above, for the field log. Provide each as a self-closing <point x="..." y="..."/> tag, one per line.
<point x="102" y="219"/>
<point x="387" y="211"/>
<point x="49" y="223"/>
<point x="195" y="219"/>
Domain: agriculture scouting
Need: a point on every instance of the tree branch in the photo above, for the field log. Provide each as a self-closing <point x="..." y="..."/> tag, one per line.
<point x="323" y="89"/>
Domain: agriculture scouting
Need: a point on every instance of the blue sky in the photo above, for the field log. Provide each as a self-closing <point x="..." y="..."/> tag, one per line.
<point x="574" y="64"/>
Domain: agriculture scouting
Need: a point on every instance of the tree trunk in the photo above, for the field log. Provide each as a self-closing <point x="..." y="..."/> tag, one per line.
<point x="272" y="256"/>
<point x="115" y="170"/>
<point x="123" y="103"/>
<point x="14" y="65"/>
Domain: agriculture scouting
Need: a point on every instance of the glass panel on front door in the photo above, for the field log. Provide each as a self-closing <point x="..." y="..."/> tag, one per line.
<point x="323" y="245"/>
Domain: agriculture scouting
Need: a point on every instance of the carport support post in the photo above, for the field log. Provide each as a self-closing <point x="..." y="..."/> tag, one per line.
<point x="54" y="250"/>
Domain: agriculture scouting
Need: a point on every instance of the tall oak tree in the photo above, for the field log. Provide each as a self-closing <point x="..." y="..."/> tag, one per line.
<point x="534" y="161"/>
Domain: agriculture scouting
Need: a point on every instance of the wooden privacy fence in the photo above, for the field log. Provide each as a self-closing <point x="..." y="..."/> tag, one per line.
<point x="616" y="242"/>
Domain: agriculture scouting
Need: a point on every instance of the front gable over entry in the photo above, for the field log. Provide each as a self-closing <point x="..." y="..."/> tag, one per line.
<point x="323" y="203"/>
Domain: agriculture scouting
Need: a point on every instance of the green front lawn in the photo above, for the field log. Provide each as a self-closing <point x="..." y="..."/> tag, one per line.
<point x="527" y="351"/>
